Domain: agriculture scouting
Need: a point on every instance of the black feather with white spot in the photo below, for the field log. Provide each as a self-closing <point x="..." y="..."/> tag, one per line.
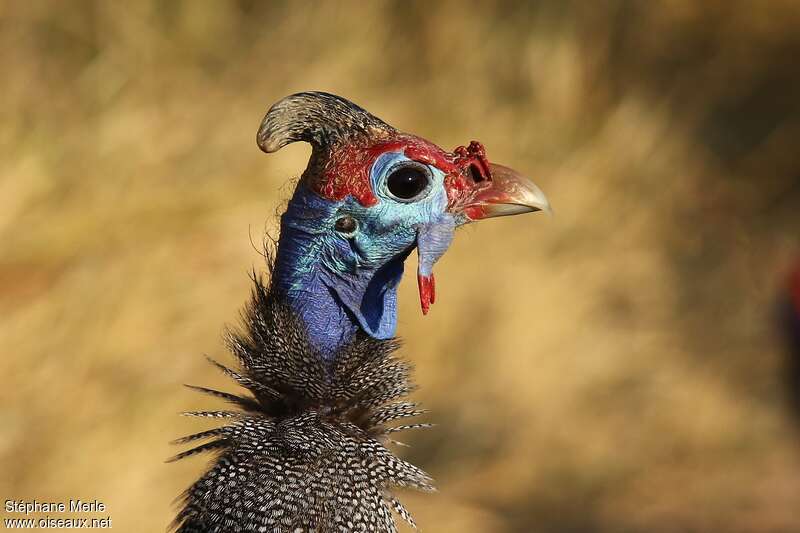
<point x="305" y="450"/>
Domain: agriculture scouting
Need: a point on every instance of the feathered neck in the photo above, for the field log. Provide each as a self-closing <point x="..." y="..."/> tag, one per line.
<point x="304" y="450"/>
<point x="328" y="282"/>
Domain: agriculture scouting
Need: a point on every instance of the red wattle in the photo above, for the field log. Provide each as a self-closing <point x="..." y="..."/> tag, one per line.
<point x="427" y="292"/>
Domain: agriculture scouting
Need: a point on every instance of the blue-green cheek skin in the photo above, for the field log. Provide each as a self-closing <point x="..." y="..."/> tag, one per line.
<point x="338" y="283"/>
<point x="390" y="227"/>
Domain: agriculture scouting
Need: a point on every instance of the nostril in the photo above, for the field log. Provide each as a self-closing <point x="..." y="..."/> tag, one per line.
<point x="475" y="172"/>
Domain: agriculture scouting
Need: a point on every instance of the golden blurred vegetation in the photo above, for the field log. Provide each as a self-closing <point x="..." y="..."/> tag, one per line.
<point x="615" y="368"/>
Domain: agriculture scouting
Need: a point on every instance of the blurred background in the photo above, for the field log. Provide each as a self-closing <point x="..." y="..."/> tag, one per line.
<point x="624" y="366"/>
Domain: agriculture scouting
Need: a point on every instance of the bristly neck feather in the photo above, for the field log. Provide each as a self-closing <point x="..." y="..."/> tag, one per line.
<point x="325" y="279"/>
<point x="306" y="448"/>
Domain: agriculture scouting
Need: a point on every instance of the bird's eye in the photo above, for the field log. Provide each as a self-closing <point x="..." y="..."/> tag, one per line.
<point x="408" y="182"/>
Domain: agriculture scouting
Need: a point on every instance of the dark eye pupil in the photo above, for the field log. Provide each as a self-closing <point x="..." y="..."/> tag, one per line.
<point x="407" y="182"/>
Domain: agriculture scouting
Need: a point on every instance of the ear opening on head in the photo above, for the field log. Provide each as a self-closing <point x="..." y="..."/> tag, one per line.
<point x="318" y="118"/>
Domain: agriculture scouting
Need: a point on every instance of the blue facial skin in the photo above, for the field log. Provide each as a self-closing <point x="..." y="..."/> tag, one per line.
<point x="341" y="282"/>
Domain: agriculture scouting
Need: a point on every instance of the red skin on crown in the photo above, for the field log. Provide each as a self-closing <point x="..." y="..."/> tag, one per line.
<point x="347" y="170"/>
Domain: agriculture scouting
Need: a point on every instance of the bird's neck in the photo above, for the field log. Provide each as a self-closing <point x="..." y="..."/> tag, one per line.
<point x="322" y="279"/>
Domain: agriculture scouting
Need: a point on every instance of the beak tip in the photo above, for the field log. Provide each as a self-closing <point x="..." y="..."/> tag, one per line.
<point x="509" y="194"/>
<point x="536" y="198"/>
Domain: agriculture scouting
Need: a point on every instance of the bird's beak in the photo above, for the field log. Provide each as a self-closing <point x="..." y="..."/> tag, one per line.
<point x="506" y="193"/>
<point x="473" y="195"/>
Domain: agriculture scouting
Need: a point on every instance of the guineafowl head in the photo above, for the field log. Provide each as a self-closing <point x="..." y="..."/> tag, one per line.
<point x="369" y="196"/>
<point x="307" y="446"/>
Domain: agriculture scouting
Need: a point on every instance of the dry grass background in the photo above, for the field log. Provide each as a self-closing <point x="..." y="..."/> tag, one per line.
<point x="615" y="368"/>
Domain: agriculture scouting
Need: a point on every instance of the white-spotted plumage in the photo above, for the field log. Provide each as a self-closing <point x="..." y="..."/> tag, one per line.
<point x="307" y="451"/>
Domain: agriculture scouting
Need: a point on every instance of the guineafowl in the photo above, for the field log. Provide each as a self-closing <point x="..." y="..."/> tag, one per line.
<point x="305" y="448"/>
